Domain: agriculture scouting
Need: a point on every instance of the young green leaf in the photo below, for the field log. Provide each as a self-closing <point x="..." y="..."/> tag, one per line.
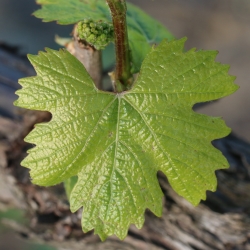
<point x="143" y="30"/>
<point x="72" y="11"/>
<point x="116" y="142"/>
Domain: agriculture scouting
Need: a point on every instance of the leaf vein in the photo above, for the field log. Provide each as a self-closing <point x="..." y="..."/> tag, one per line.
<point x="156" y="140"/>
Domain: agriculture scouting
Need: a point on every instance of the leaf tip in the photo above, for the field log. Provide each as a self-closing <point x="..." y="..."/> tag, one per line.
<point x="16" y="102"/>
<point x="31" y="58"/>
<point x="181" y="42"/>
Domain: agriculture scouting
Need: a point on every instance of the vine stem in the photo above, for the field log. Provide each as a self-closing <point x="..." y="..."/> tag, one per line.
<point x="122" y="76"/>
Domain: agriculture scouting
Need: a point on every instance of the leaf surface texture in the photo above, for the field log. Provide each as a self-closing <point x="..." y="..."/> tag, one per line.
<point x="116" y="143"/>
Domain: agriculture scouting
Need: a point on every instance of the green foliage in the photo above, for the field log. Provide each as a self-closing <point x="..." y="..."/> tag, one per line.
<point x="69" y="185"/>
<point x="39" y="247"/>
<point x="99" y="34"/>
<point x="143" y="30"/>
<point x="13" y="214"/>
<point x="72" y="11"/>
<point x="116" y="142"/>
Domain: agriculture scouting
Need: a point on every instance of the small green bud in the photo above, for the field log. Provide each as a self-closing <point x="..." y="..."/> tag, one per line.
<point x="92" y="38"/>
<point x="103" y="37"/>
<point x="99" y="34"/>
<point x="94" y="31"/>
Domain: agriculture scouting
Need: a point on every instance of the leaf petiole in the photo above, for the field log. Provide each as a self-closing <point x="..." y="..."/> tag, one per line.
<point x="123" y="77"/>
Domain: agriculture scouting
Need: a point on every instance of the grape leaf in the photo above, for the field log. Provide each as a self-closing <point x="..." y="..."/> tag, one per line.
<point x="143" y="30"/>
<point x="116" y="142"/>
<point x="72" y="11"/>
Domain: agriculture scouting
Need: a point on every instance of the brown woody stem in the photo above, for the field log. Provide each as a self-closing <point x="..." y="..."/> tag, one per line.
<point x="88" y="56"/>
<point x="123" y="76"/>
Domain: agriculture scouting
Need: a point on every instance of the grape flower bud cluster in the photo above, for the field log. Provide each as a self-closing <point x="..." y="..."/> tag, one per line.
<point x="97" y="33"/>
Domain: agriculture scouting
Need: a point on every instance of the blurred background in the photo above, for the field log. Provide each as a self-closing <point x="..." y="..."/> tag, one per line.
<point x="222" y="25"/>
